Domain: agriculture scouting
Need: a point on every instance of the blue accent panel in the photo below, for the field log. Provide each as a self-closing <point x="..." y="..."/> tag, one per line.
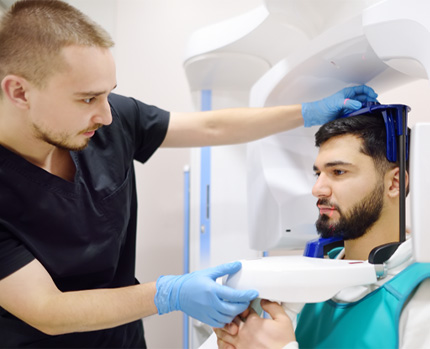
<point x="186" y="221"/>
<point x="395" y="118"/>
<point x="396" y="124"/>
<point x="205" y="180"/>
<point x="315" y="248"/>
<point x="186" y="266"/>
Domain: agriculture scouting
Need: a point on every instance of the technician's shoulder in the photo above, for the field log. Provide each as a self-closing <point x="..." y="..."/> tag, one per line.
<point x="122" y="106"/>
<point x="143" y="126"/>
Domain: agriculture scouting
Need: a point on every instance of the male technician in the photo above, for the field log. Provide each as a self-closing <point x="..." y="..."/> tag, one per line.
<point x="67" y="185"/>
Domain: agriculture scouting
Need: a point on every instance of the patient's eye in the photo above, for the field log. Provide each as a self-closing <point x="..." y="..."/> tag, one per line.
<point x="338" y="172"/>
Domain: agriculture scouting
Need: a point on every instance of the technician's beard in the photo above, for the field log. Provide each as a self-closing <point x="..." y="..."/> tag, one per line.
<point x="357" y="221"/>
<point x="61" y="140"/>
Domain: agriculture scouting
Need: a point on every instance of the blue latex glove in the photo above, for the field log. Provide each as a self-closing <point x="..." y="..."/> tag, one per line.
<point x="199" y="296"/>
<point x="345" y="101"/>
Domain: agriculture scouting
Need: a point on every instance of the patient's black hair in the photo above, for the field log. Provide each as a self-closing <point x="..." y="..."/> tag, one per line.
<point x="370" y="129"/>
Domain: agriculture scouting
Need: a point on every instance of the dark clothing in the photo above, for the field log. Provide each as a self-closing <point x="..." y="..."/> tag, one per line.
<point x="83" y="233"/>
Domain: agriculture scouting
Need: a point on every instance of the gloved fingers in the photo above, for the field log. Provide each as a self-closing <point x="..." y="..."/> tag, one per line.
<point x="361" y="92"/>
<point x="223" y="269"/>
<point x="352" y="104"/>
<point x="364" y="98"/>
<point x="227" y="311"/>
<point x="236" y="296"/>
<point x="213" y="316"/>
<point x="219" y="321"/>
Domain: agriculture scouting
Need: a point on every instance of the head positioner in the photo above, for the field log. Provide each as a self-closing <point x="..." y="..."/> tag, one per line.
<point x="395" y="118"/>
<point x="397" y="139"/>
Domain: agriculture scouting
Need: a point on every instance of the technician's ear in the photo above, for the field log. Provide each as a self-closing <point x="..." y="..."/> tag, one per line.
<point x="393" y="179"/>
<point x="14" y="89"/>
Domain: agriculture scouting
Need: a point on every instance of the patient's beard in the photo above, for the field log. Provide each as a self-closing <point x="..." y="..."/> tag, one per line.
<point x="354" y="223"/>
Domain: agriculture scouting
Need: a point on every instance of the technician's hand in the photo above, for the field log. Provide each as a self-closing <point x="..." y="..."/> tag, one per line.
<point x="199" y="296"/>
<point x="256" y="332"/>
<point x="345" y="101"/>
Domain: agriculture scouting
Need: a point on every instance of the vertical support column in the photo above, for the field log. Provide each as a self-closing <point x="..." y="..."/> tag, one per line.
<point x="205" y="180"/>
<point x="403" y="156"/>
<point x="186" y="260"/>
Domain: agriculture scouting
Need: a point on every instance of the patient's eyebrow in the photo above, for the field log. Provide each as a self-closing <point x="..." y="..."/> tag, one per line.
<point x="333" y="164"/>
<point x="337" y="163"/>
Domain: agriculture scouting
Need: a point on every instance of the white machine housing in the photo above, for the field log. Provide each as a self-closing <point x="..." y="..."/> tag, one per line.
<point x="290" y="52"/>
<point x="321" y="51"/>
<point x="292" y="279"/>
<point x="420" y="191"/>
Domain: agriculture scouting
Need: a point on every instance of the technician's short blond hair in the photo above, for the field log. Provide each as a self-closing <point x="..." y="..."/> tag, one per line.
<point x="34" y="32"/>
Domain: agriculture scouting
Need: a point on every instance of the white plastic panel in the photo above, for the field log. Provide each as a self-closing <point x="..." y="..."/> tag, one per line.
<point x="420" y="191"/>
<point x="292" y="279"/>
<point x="339" y="57"/>
<point x="291" y="51"/>
<point x="224" y="71"/>
<point x="281" y="208"/>
<point x="400" y="35"/>
<point x="315" y="16"/>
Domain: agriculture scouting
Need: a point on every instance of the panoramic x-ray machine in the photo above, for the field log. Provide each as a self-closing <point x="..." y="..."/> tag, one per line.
<point x="289" y="52"/>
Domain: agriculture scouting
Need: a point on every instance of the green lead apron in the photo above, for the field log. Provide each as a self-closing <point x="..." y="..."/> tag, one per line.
<point x="372" y="322"/>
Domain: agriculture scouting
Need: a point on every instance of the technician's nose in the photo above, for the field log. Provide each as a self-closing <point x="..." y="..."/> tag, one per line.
<point x="321" y="188"/>
<point x="103" y="114"/>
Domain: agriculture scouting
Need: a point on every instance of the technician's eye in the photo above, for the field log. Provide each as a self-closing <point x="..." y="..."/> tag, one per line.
<point x="317" y="174"/>
<point x="88" y="100"/>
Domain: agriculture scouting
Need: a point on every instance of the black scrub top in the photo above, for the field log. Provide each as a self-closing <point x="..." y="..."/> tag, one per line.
<point x="83" y="232"/>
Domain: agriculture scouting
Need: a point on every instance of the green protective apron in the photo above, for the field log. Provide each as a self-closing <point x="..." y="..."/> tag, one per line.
<point x="371" y="322"/>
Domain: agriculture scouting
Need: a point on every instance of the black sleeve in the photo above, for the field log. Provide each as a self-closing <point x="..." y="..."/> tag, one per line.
<point x="13" y="254"/>
<point x="146" y="125"/>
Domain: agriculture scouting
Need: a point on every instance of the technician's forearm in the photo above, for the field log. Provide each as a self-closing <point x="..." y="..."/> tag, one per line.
<point x="237" y="126"/>
<point x="91" y="310"/>
<point x="230" y="126"/>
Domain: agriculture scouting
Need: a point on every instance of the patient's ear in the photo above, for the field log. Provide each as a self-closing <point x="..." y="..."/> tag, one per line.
<point x="15" y="90"/>
<point x="392" y="178"/>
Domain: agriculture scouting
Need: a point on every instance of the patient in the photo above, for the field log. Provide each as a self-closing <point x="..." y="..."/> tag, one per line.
<point x="358" y="199"/>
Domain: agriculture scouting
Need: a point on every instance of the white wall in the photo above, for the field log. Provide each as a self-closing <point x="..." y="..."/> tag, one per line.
<point x="416" y="95"/>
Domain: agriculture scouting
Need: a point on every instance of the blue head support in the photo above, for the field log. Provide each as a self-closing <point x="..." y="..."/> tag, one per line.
<point x="395" y="118"/>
